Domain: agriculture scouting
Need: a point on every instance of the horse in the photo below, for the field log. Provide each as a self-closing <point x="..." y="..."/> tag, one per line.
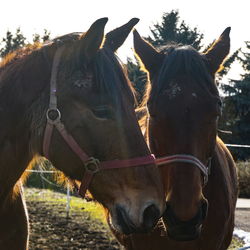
<point x="70" y="101"/>
<point x="198" y="171"/>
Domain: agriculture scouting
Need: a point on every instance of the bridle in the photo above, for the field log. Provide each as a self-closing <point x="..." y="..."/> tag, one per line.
<point x="91" y="164"/>
<point x="187" y="158"/>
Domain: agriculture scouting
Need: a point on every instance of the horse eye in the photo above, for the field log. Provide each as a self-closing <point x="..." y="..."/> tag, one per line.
<point x="103" y="112"/>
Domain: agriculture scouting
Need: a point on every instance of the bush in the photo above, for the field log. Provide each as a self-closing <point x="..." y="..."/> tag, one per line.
<point x="243" y="169"/>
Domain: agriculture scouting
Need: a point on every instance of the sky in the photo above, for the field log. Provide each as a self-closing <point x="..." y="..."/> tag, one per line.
<point x="63" y="16"/>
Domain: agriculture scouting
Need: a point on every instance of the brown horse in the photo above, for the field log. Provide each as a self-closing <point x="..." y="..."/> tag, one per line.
<point x="199" y="173"/>
<point x="77" y="85"/>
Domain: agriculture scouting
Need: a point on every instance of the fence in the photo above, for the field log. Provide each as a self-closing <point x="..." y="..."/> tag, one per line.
<point x="41" y="172"/>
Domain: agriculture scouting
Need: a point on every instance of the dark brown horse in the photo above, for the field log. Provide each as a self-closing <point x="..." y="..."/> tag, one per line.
<point x="199" y="173"/>
<point x="77" y="85"/>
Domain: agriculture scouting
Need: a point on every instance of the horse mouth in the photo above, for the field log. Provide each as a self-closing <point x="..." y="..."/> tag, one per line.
<point x="183" y="230"/>
<point x="184" y="233"/>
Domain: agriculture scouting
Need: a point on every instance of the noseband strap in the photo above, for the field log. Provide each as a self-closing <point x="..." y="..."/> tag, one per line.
<point x="91" y="165"/>
<point x="185" y="158"/>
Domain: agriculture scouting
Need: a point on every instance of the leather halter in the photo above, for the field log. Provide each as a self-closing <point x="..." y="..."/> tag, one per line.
<point x="91" y="164"/>
<point x="185" y="158"/>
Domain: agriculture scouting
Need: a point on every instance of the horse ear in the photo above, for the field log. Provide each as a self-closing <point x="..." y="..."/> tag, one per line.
<point x="148" y="55"/>
<point x="115" y="38"/>
<point x="218" y="51"/>
<point x="91" y="41"/>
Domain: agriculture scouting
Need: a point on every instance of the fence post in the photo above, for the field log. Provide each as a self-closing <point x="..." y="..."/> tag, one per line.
<point x="68" y="201"/>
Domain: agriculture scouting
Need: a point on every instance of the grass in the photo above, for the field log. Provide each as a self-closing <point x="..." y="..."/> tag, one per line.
<point x="235" y="244"/>
<point x="94" y="210"/>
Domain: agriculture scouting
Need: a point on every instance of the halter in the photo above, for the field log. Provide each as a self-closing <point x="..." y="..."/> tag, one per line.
<point x="91" y="164"/>
<point x="185" y="158"/>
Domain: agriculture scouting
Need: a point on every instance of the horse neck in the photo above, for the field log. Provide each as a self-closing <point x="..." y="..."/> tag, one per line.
<point x="18" y="93"/>
<point x="14" y="159"/>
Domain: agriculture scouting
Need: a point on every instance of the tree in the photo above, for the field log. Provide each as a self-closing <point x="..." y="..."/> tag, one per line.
<point x="12" y="42"/>
<point x="171" y="30"/>
<point x="137" y="77"/>
<point x="45" y="37"/>
<point x="237" y="105"/>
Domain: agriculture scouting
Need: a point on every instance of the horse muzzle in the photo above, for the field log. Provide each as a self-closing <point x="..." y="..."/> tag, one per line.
<point x="184" y="230"/>
<point x="125" y="224"/>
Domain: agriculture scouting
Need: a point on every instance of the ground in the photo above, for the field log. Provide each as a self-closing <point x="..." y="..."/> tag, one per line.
<point x="242" y="220"/>
<point x="50" y="228"/>
<point x="85" y="228"/>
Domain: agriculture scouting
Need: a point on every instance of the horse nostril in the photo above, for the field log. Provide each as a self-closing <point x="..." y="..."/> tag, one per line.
<point x="204" y="209"/>
<point x="123" y="220"/>
<point x="151" y="215"/>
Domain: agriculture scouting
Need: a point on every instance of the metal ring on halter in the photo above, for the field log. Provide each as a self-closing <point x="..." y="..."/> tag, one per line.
<point x="53" y="120"/>
<point x="92" y="165"/>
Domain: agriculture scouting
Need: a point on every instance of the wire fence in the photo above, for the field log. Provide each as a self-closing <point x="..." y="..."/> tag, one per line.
<point x="237" y="146"/>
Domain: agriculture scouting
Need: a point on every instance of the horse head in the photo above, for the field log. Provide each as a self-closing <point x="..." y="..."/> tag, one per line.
<point x="184" y="107"/>
<point x="74" y="105"/>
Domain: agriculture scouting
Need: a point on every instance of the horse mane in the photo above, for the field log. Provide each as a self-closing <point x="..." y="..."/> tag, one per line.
<point x="18" y="54"/>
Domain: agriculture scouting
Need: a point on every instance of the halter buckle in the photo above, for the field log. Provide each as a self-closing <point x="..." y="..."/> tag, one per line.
<point x="53" y="115"/>
<point x="92" y="165"/>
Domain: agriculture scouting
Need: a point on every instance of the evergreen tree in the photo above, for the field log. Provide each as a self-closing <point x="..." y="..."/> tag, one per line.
<point x="137" y="77"/>
<point x="12" y="42"/>
<point x="237" y="105"/>
<point x="227" y="64"/>
<point x="38" y="38"/>
<point x="171" y="29"/>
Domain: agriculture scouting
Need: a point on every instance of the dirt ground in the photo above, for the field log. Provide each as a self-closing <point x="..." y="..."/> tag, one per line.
<point x="51" y="230"/>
